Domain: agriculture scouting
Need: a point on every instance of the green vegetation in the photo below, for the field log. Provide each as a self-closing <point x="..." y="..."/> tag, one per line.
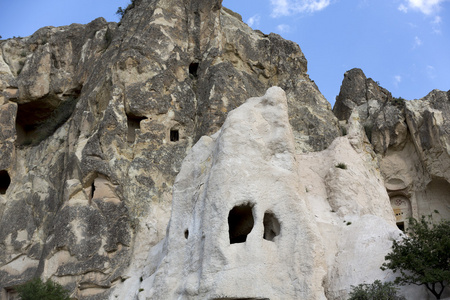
<point x="398" y="102"/>
<point x="36" y="289"/>
<point x="423" y="256"/>
<point x="375" y="291"/>
<point x="121" y="11"/>
<point x="342" y="166"/>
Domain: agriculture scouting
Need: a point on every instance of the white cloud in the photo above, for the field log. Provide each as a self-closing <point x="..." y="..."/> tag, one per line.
<point x="427" y="7"/>
<point x="397" y="80"/>
<point x="283" y="28"/>
<point x="431" y="72"/>
<point x="437" y="20"/>
<point x="254" y="20"/>
<point x="289" y="7"/>
<point x="403" y="8"/>
<point x="417" y="42"/>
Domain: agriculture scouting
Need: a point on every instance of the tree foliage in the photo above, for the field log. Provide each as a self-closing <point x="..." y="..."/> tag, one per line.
<point x="375" y="291"/>
<point x="36" y="289"/>
<point x="423" y="256"/>
<point x="121" y="11"/>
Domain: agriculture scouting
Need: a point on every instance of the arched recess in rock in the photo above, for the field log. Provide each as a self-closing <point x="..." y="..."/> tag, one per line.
<point x="435" y="198"/>
<point x="240" y="223"/>
<point x="100" y="187"/>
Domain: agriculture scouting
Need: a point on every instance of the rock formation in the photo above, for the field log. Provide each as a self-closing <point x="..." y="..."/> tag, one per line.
<point x="411" y="139"/>
<point x="96" y="120"/>
<point x="270" y="201"/>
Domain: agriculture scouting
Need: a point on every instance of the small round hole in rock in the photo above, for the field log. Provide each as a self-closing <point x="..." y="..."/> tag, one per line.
<point x="193" y="69"/>
<point x="186" y="233"/>
<point x="271" y="226"/>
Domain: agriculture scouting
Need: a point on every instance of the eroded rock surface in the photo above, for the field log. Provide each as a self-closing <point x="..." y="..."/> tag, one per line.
<point x="411" y="139"/>
<point x="250" y="213"/>
<point x="96" y="120"/>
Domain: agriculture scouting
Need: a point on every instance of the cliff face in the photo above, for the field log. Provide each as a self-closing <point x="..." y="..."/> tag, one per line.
<point x="96" y="120"/>
<point x="411" y="139"/>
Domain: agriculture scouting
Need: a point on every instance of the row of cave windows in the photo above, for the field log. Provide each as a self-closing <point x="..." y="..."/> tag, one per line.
<point x="28" y="133"/>
<point x="241" y="222"/>
<point x="32" y="117"/>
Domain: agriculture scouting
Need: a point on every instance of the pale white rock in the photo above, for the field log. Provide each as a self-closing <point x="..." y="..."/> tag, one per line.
<point x="250" y="163"/>
<point x="311" y="229"/>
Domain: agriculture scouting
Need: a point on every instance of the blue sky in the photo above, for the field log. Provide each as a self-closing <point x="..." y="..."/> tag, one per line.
<point x="402" y="44"/>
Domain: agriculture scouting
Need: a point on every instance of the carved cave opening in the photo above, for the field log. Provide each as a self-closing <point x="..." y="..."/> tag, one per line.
<point x="193" y="69"/>
<point x="9" y="293"/>
<point x="133" y="123"/>
<point x="39" y="119"/>
<point x="271" y="226"/>
<point x="174" y="135"/>
<point x="186" y="234"/>
<point x="401" y="206"/>
<point x="5" y="181"/>
<point x="99" y="187"/>
<point x="240" y="223"/>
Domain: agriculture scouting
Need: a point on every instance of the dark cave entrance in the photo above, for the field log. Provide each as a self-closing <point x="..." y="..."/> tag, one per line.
<point x="174" y="135"/>
<point x="193" y="69"/>
<point x="39" y="119"/>
<point x="240" y="223"/>
<point x="5" y="181"/>
<point x="401" y="226"/>
<point x="133" y="123"/>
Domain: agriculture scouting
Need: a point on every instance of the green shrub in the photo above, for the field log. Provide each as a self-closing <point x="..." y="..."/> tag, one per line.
<point x="36" y="289"/>
<point x="375" y="291"/>
<point x="398" y="102"/>
<point x="121" y="11"/>
<point x="342" y="166"/>
<point x="422" y="257"/>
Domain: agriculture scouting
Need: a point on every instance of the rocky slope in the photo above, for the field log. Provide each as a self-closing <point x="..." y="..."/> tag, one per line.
<point x="97" y="119"/>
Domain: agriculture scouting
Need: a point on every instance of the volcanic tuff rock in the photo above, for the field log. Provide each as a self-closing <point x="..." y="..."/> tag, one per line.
<point x="411" y="139"/>
<point x="96" y="120"/>
<point x="254" y="219"/>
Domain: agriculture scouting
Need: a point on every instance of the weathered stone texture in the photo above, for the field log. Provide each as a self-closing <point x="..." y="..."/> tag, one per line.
<point x="411" y="139"/>
<point x="96" y="120"/>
